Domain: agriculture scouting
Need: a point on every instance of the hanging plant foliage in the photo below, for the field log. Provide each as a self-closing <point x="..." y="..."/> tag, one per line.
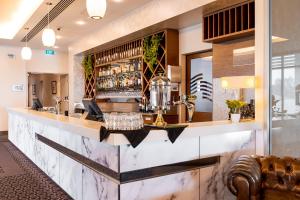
<point x="87" y="64"/>
<point x="150" y="47"/>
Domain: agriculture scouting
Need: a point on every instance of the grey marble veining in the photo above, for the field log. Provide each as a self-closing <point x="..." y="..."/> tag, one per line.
<point x="181" y="186"/>
<point x="70" y="178"/>
<point x="158" y="153"/>
<point x="51" y="156"/>
<point x="70" y="141"/>
<point x="213" y="180"/>
<point x="97" y="187"/>
<point x="102" y="153"/>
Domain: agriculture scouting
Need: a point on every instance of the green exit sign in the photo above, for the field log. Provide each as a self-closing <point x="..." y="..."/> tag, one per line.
<point x="49" y="52"/>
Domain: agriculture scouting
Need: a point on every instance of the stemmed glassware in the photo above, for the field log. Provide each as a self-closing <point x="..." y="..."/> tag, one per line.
<point x="123" y="121"/>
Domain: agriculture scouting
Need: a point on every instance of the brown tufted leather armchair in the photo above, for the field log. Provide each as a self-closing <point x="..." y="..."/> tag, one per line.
<point x="253" y="178"/>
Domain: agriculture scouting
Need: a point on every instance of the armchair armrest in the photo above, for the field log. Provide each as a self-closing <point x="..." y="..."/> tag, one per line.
<point x="244" y="178"/>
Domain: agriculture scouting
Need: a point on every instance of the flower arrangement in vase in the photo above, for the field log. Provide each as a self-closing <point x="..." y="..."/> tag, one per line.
<point x="234" y="109"/>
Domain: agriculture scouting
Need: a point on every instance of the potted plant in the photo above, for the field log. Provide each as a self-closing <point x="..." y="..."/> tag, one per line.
<point x="87" y="64"/>
<point x="234" y="109"/>
<point x="150" y="46"/>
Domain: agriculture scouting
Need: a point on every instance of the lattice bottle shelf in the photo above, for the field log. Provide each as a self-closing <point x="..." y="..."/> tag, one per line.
<point x="168" y="54"/>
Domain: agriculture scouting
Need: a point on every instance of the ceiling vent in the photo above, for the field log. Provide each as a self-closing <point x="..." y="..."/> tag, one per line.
<point x="56" y="10"/>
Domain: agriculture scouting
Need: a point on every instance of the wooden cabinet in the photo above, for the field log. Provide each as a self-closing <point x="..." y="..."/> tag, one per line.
<point x="229" y="23"/>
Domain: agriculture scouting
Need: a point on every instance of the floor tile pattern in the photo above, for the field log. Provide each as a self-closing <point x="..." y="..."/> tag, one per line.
<point x="31" y="185"/>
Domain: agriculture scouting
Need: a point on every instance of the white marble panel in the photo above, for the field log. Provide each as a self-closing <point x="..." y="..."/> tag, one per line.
<point x="30" y="150"/>
<point x="102" y="153"/>
<point x="227" y="142"/>
<point x="70" y="141"/>
<point x="97" y="187"/>
<point x="70" y="178"/>
<point x="70" y="170"/>
<point x="12" y="133"/>
<point x="158" y="153"/>
<point x="39" y="147"/>
<point x="51" y="155"/>
<point x="213" y="180"/>
<point x="181" y="186"/>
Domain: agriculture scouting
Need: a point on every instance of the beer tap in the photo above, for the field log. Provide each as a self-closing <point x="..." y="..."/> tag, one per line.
<point x="189" y="102"/>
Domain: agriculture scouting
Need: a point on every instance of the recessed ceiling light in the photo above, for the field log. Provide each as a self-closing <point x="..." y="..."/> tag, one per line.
<point x="56" y="47"/>
<point x="58" y="37"/>
<point x="80" y="22"/>
<point x="18" y="13"/>
<point x="118" y="1"/>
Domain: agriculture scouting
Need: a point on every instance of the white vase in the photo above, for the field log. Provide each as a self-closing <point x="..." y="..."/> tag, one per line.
<point x="235" y="118"/>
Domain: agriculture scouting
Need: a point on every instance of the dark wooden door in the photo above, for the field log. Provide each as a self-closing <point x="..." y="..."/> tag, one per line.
<point x="199" y="83"/>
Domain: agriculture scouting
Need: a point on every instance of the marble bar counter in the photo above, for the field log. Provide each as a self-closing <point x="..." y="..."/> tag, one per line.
<point x="69" y="151"/>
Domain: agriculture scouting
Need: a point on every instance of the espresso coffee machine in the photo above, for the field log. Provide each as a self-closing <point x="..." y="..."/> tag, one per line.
<point x="160" y="97"/>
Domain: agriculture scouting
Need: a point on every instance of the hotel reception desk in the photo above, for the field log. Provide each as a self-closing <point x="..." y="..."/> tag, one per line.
<point x="69" y="151"/>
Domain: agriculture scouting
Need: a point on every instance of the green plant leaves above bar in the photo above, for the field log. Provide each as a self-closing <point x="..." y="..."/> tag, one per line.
<point x="87" y="64"/>
<point x="150" y="47"/>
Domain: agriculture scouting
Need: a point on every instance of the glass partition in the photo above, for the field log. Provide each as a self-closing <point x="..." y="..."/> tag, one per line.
<point x="285" y="78"/>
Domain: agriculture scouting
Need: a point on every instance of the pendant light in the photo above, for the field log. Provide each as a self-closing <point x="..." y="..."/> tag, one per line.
<point x="26" y="52"/>
<point x="48" y="36"/>
<point x="96" y="8"/>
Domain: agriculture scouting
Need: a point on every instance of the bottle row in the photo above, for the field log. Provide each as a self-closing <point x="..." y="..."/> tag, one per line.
<point x="132" y="80"/>
<point x="118" y="53"/>
<point x="133" y="66"/>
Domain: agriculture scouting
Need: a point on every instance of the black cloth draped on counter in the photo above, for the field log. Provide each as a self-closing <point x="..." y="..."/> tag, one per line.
<point x="135" y="137"/>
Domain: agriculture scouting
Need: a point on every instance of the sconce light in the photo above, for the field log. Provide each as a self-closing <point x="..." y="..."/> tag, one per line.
<point x="238" y="82"/>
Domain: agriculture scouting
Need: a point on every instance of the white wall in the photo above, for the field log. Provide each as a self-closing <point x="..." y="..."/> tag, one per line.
<point x="42" y="63"/>
<point x="14" y="71"/>
<point x="190" y="41"/>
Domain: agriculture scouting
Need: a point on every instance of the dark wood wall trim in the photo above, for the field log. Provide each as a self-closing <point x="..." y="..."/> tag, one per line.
<point x="135" y="175"/>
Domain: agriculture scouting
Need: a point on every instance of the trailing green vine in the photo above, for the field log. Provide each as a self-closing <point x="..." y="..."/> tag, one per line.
<point x="87" y="64"/>
<point x="150" y="47"/>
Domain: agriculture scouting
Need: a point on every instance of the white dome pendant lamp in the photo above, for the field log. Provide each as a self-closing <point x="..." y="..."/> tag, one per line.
<point x="48" y="36"/>
<point x="96" y="8"/>
<point x="26" y="52"/>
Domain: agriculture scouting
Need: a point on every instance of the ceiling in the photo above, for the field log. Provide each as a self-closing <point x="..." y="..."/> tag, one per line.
<point x="73" y="22"/>
<point x="13" y="15"/>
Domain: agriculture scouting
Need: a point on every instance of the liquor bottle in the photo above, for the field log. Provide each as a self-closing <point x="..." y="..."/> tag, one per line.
<point x="136" y="83"/>
<point x="139" y="66"/>
<point x="139" y="79"/>
<point x="131" y="67"/>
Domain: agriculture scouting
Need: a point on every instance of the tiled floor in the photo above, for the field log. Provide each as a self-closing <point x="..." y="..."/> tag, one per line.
<point x="27" y="182"/>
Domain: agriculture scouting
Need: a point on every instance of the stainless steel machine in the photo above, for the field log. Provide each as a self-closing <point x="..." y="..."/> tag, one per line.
<point x="160" y="97"/>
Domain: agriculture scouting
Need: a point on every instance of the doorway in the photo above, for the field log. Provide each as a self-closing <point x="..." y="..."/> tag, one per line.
<point x="47" y="87"/>
<point x="199" y="84"/>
